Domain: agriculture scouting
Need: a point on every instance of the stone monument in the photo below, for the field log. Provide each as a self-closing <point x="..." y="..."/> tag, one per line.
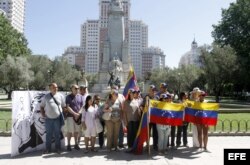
<point x="116" y="63"/>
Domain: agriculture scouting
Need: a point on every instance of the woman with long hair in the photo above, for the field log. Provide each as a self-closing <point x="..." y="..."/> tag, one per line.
<point x="88" y="121"/>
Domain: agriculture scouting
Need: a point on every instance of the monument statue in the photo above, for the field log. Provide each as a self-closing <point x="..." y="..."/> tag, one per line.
<point x="115" y="65"/>
<point x="111" y="80"/>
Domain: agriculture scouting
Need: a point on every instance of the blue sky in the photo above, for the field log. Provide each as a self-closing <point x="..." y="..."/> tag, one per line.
<point x="53" y="25"/>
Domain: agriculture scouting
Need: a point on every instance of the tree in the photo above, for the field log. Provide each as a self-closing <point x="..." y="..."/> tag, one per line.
<point x="63" y="74"/>
<point x="234" y="30"/>
<point x="219" y="65"/>
<point x="12" y="43"/>
<point x="178" y="79"/>
<point x="41" y="66"/>
<point x="15" y="74"/>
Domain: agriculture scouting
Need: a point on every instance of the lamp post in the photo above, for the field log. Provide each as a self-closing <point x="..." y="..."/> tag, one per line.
<point x="179" y="83"/>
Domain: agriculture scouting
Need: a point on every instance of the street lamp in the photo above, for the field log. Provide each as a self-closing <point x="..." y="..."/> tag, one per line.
<point x="179" y="83"/>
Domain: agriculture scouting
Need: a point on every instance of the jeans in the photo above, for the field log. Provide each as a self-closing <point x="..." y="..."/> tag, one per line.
<point x="132" y="131"/>
<point x="182" y="129"/>
<point x="121" y="136"/>
<point x="163" y="133"/>
<point x="53" y="130"/>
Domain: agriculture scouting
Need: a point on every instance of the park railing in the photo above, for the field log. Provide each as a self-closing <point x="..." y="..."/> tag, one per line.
<point x="228" y="128"/>
<point x="223" y="128"/>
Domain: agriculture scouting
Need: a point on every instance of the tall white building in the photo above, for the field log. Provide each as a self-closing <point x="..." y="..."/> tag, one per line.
<point x="191" y="57"/>
<point x="90" y="42"/>
<point x="138" y="40"/>
<point x="152" y="58"/>
<point x="75" y="55"/>
<point x="15" y="11"/>
<point x="94" y="33"/>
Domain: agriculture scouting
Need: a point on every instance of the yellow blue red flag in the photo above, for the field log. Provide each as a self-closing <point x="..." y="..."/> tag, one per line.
<point x="166" y="113"/>
<point x="202" y="113"/>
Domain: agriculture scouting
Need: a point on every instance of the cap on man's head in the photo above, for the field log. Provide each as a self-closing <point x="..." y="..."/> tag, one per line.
<point x="166" y="96"/>
<point x="163" y="85"/>
<point x="152" y="87"/>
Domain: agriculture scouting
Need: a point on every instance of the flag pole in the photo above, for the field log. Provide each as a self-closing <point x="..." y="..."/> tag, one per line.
<point x="148" y="140"/>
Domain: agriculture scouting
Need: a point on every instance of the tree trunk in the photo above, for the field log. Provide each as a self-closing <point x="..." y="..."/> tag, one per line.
<point x="9" y="95"/>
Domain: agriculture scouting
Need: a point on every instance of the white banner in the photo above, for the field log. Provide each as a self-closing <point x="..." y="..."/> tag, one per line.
<point x="28" y="126"/>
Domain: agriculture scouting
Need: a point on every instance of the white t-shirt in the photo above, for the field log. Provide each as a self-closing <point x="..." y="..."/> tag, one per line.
<point x="89" y="117"/>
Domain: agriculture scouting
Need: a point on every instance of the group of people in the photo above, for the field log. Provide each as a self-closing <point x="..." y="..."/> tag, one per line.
<point x="89" y="117"/>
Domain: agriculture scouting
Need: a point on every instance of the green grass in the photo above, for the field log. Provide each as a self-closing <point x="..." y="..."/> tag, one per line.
<point x="5" y="116"/>
<point x="236" y="120"/>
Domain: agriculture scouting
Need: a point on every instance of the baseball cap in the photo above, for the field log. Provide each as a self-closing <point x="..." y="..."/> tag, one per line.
<point x="163" y="85"/>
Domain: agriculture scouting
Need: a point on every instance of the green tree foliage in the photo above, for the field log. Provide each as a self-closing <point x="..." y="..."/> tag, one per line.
<point x="178" y="79"/>
<point x="15" y="74"/>
<point x="234" y="30"/>
<point x="12" y="43"/>
<point x="63" y="74"/>
<point x="219" y="65"/>
<point x="40" y="65"/>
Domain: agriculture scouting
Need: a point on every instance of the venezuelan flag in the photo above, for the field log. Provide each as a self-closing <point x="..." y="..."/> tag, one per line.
<point x="131" y="83"/>
<point x="166" y="113"/>
<point x="142" y="134"/>
<point x="202" y="113"/>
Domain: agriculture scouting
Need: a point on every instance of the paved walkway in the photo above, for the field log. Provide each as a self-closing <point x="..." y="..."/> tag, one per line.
<point x="182" y="156"/>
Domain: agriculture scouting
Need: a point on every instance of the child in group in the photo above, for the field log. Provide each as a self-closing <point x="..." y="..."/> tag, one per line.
<point x="88" y="121"/>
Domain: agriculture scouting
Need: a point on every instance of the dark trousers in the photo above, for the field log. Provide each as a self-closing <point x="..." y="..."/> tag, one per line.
<point x="101" y="135"/>
<point x="132" y="130"/>
<point x="182" y="129"/>
<point x="155" y="134"/>
<point x="172" y="136"/>
<point x="173" y="130"/>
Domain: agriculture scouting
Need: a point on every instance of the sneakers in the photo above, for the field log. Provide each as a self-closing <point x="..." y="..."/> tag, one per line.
<point x="69" y="148"/>
<point x="76" y="147"/>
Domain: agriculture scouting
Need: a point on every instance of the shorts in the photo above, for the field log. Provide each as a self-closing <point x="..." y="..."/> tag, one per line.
<point x="90" y="132"/>
<point x="71" y="126"/>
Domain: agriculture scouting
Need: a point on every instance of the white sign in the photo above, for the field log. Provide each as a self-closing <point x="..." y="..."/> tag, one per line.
<point x="28" y="126"/>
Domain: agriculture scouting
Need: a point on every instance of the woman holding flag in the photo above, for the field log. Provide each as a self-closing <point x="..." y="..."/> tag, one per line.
<point x="163" y="130"/>
<point x="202" y="128"/>
<point x="132" y="117"/>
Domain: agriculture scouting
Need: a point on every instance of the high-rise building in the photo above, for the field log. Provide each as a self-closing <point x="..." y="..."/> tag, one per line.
<point x="75" y="55"/>
<point x="90" y="34"/>
<point x="94" y="33"/>
<point x="152" y="58"/>
<point x="192" y="56"/>
<point x="15" y="11"/>
<point x="138" y="40"/>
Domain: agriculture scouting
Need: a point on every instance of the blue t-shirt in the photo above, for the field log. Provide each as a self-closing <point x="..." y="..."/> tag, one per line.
<point x="74" y="102"/>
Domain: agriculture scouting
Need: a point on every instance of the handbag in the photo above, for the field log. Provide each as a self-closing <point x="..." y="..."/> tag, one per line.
<point x="61" y="117"/>
<point x="106" y="116"/>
